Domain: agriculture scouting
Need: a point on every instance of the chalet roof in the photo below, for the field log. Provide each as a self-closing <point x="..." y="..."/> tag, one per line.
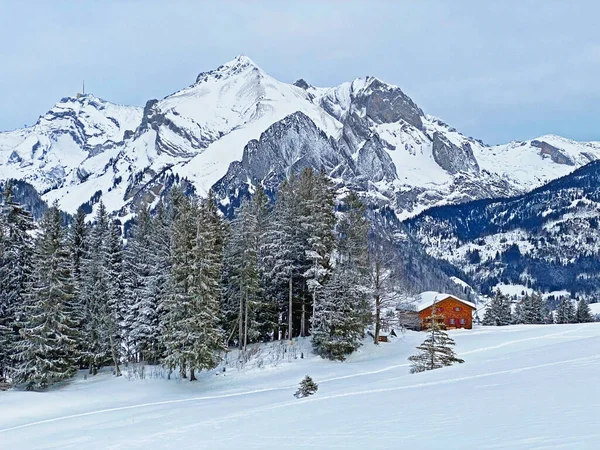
<point x="428" y="298"/>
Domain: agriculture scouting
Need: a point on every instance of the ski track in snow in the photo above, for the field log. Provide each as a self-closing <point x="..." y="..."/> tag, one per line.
<point x="327" y="380"/>
<point x="254" y="411"/>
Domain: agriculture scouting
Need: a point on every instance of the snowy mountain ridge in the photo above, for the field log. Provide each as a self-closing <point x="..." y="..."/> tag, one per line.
<point x="365" y="133"/>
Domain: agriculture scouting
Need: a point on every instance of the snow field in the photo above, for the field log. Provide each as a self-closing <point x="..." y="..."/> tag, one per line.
<point x="521" y="387"/>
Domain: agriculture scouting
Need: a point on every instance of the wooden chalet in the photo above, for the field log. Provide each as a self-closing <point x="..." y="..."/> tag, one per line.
<point x="454" y="312"/>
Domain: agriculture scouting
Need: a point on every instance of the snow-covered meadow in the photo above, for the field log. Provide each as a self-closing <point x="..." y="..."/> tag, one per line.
<point x="521" y="387"/>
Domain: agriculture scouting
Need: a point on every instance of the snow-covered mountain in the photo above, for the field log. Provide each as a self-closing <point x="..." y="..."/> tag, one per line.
<point x="237" y="126"/>
<point x="546" y="239"/>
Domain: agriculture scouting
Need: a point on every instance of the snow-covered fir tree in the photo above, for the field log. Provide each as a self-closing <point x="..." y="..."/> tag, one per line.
<point x="47" y="350"/>
<point x="206" y="289"/>
<point x="583" y="313"/>
<point x="517" y="316"/>
<point x="343" y="311"/>
<point x="283" y="252"/>
<point x="565" y="313"/>
<point x="116" y="305"/>
<point x="16" y="250"/>
<point x="533" y="309"/>
<point x="317" y="219"/>
<point x="436" y="350"/>
<point x="191" y="333"/>
<point x="140" y="320"/>
<point x="244" y="293"/>
<point x="498" y="312"/>
<point x="99" y="291"/>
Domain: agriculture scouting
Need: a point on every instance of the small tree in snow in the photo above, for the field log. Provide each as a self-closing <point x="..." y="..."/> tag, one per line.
<point x="436" y="351"/>
<point x="307" y="387"/>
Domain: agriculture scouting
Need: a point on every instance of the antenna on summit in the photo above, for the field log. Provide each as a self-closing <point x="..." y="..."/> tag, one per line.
<point x="82" y="93"/>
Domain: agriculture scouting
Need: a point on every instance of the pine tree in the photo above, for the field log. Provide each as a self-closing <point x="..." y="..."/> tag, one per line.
<point x="243" y="277"/>
<point x="98" y="294"/>
<point x="318" y="222"/>
<point x="192" y="335"/>
<point x="47" y="350"/>
<point x="15" y="275"/>
<point x="565" y="313"/>
<point x="283" y="251"/>
<point x="140" y="321"/>
<point x="343" y="312"/>
<point x="307" y="387"/>
<point x="517" y="316"/>
<point x="206" y="287"/>
<point x="176" y="306"/>
<point x="436" y="350"/>
<point x="533" y="309"/>
<point x="339" y="326"/>
<point x="115" y="304"/>
<point x="584" y="314"/>
<point x="498" y="312"/>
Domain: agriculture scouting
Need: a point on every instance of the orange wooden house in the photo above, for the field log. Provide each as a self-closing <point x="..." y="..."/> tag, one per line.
<point x="454" y="312"/>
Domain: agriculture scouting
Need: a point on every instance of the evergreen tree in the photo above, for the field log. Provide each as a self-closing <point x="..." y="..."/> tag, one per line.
<point x="338" y="326"/>
<point x="115" y="304"/>
<point x="206" y="287"/>
<point x="100" y="294"/>
<point x="47" y="350"/>
<point x="517" y="317"/>
<point x="584" y="314"/>
<point x="498" y="312"/>
<point x="343" y="312"/>
<point x="177" y="306"/>
<point x="191" y="335"/>
<point x="436" y="350"/>
<point x="243" y="277"/>
<point x="533" y="309"/>
<point x="140" y="321"/>
<point x="283" y="251"/>
<point x="565" y="313"/>
<point x="307" y="387"/>
<point x="318" y="222"/>
<point x="16" y="253"/>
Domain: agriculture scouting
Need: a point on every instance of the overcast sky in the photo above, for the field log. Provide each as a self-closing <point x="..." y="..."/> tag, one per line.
<point x="497" y="71"/>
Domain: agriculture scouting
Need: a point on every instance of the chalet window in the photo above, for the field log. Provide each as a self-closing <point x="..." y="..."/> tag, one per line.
<point x="462" y="321"/>
<point x="457" y="308"/>
<point x="452" y="321"/>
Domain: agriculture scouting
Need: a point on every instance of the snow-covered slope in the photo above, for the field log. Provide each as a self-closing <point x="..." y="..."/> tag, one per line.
<point x="521" y="387"/>
<point x="375" y="139"/>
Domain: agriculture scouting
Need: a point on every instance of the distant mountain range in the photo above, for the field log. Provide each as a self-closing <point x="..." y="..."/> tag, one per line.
<point x="236" y="126"/>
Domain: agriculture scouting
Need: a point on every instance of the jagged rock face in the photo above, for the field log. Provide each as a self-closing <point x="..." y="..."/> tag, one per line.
<point x="288" y="146"/>
<point x="452" y="158"/>
<point x="554" y="153"/>
<point x="383" y="103"/>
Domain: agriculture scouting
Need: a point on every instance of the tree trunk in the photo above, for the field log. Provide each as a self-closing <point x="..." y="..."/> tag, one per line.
<point x="377" y="319"/>
<point x="192" y="374"/>
<point x="246" y="323"/>
<point x="241" y="324"/>
<point x="314" y="306"/>
<point x="302" y="323"/>
<point x="115" y="358"/>
<point x="290" y="312"/>
<point x="182" y="370"/>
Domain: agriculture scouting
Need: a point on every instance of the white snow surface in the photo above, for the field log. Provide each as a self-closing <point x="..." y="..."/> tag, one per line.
<point x="521" y="387"/>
